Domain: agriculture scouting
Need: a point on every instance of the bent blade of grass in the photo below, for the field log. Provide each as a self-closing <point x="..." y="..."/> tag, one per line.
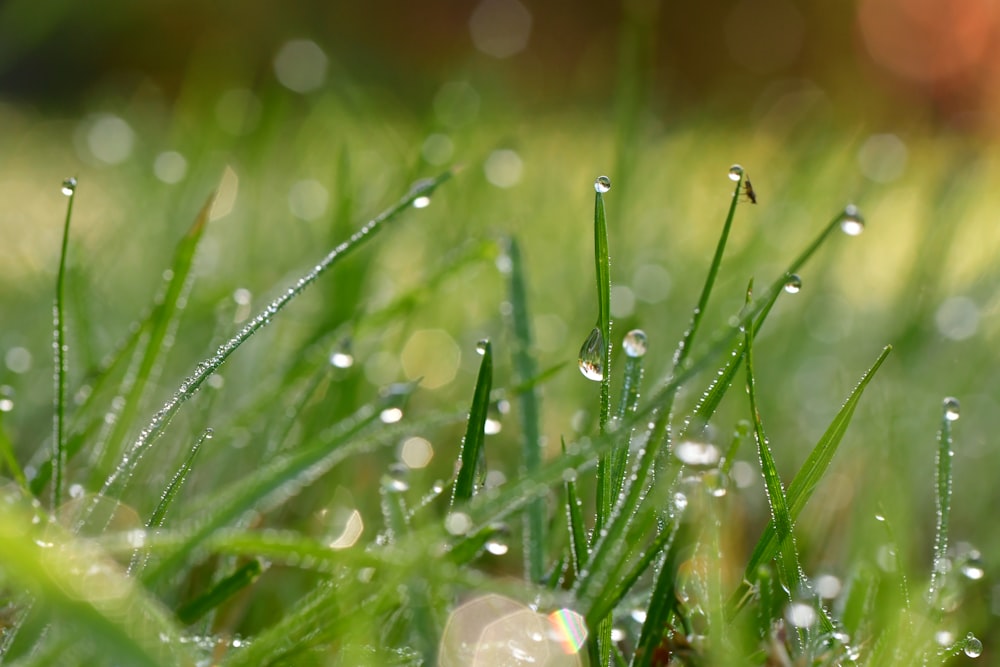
<point x="527" y="378"/>
<point x="193" y="382"/>
<point x="244" y="576"/>
<point x="162" y="321"/>
<point x="60" y="349"/>
<point x="475" y="435"/>
<point x="788" y="565"/>
<point x="808" y="476"/>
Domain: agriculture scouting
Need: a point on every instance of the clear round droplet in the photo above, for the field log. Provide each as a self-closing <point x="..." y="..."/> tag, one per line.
<point x="794" y="284"/>
<point x="592" y="356"/>
<point x="635" y="343"/>
<point x="952" y="409"/>
<point x="735" y="172"/>
<point x="852" y="223"/>
<point x="602" y="184"/>
<point x="482" y="346"/>
<point x="69" y="186"/>
<point x="973" y="647"/>
<point x="422" y="202"/>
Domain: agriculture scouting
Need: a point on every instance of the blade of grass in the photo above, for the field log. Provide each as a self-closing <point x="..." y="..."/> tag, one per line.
<point x="574" y="518"/>
<point x="472" y="446"/>
<point x="789" y="570"/>
<point x="244" y="576"/>
<point x="163" y="320"/>
<point x="525" y="374"/>
<point x="808" y="476"/>
<point x="602" y="262"/>
<point x="662" y="603"/>
<point x="176" y="482"/>
<point x="60" y="348"/>
<point x="193" y="382"/>
<point x="942" y="498"/>
<point x="7" y="453"/>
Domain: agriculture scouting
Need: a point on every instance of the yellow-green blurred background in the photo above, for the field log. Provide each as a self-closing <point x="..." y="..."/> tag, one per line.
<point x="310" y="117"/>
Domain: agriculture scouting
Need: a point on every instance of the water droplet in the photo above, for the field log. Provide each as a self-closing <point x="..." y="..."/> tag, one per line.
<point x="458" y="523"/>
<point x="602" y="184"/>
<point x="735" y="172"/>
<point x="973" y="647"/>
<point x="680" y="501"/>
<point x="635" y="343"/>
<point x="697" y="453"/>
<point x="482" y="346"/>
<point x="592" y="356"/>
<point x="496" y="547"/>
<point x="952" y="409"/>
<point x="69" y="186"/>
<point x="422" y="202"/>
<point x="341" y="360"/>
<point x="492" y="426"/>
<point x="800" y="614"/>
<point x="391" y="415"/>
<point x="569" y="475"/>
<point x="972" y="568"/>
<point x="852" y="223"/>
<point x="794" y="284"/>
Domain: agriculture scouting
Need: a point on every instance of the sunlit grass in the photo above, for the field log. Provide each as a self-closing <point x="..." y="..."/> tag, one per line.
<point x="300" y="531"/>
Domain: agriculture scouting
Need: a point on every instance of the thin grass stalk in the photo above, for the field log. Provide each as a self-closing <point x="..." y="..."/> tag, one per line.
<point x="60" y="350"/>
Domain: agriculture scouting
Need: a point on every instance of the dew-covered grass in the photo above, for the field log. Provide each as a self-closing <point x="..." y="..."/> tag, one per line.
<point x="281" y="438"/>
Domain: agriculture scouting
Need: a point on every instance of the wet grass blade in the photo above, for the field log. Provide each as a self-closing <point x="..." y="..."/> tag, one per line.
<point x="60" y="349"/>
<point x="193" y="382"/>
<point x="788" y="569"/>
<point x="526" y="378"/>
<point x="244" y="576"/>
<point x="162" y="319"/>
<point x="176" y="482"/>
<point x="7" y="453"/>
<point x="577" y="527"/>
<point x="602" y="261"/>
<point x="662" y="602"/>
<point x="805" y="481"/>
<point x="942" y="484"/>
<point x="475" y="435"/>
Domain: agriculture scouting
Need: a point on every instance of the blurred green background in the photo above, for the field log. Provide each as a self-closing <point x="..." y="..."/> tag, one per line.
<point x="312" y="117"/>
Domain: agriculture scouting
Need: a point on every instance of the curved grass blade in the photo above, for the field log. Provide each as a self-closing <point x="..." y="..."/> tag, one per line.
<point x="244" y="576"/>
<point x="808" y="476"/>
<point x="193" y="382"/>
<point x="526" y="377"/>
<point x="473" y="444"/>
<point x="156" y="343"/>
<point x="60" y="349"/>
<point x="788" y="565"/>
<point x="176" y="482"/>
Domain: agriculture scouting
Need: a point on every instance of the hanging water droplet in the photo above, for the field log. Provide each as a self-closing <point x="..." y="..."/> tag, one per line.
<point x="972" y="567"/>
<point x="735" y="172"/>
<point x="973" y="647"/>
<point x="800" y="614"/>
<point x="592" y="356"/>
<point x="635" y="343"/>
<point x="458" y="523"/>
<point x="852" y="223"/>
<point x="697" y="453"/>
<point x="496" y="547"/>
<point x="794" y="284"/>
<point x="602" y="184"/>
<point x="951" y="409"/>
<point x="390" y="415"/>
<point x="422" y="202"/>
<point x="482" y="346"/>
<point x="69" y="186"/>
<point x="341" y="360"/>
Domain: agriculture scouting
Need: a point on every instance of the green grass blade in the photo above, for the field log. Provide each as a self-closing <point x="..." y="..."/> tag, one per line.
<point x="805" y="481"/>
<point x="244" y="576"/>
<point x="527" y="378"/>
<point x="602" y="261"/>
<point x="475" y="435"/>
<point x="176" y="482"/>
<point x="662" y="602"/>
<point x="205" y="368"/>
<point x="574" y="517"/>
<point x="156" y="344"/>
<point x="634" y="346"/>
<point x="942" y="484"/>
<point x="789" y="569"/>
<point x="60" y="349"/>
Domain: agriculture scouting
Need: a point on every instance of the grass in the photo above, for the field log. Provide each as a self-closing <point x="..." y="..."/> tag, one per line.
<point x="243" y="478"/>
